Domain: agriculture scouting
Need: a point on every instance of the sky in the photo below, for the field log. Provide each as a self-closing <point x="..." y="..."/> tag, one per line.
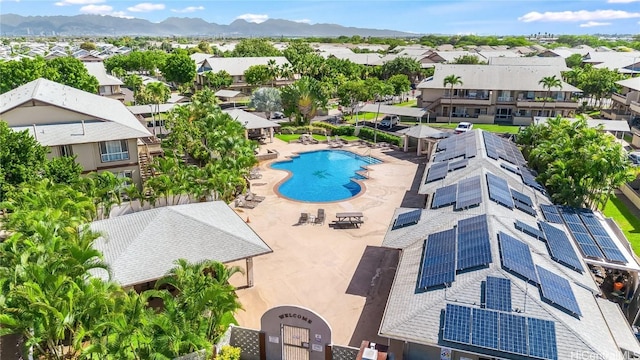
<point x="480" y="17"/>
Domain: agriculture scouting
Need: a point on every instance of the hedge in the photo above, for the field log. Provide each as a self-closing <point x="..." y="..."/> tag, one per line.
<point x="381" y="136"/>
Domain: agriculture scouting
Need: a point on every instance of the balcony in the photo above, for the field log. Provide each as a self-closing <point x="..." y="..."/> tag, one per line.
<point x="620" y="98"/>
<point x="635" y="107"/>
<point x="614" y="114"/>
<point x="505" y="99"/>
<point x="468" y="100"/>
<point x="549" y="104"/>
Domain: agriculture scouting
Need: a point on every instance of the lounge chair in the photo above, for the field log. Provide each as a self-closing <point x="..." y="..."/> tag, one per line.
<point x="255" y="174"/>
<point x="304" y="218"/>
<point x="242" y="202"/>
<point x="319" y="220"/>
<point x="253" y="197"/>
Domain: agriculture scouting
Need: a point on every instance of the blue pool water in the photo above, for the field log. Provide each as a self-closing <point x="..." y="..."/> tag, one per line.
<point x="323" y="176"/>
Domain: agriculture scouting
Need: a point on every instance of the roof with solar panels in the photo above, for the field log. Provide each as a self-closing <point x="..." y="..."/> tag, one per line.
<point x="492" y="267"/>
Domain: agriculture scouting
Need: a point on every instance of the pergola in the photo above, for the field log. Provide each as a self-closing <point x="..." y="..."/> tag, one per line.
<point x="407" y="111"/>
<point x="253" y="124"/>
<point x="422" y="133"/>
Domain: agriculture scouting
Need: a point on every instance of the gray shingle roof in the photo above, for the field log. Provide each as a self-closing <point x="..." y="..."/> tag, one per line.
<point x="415" y="316"/>
<point x="249" y="120"/>
<point x="97" y="69"/>
<point x="396" y="110"/>
<point x="632" y="83"/>
<point x="495" y="77"/>
<point x="143" y="246"/>
<point x="236" y="66"/>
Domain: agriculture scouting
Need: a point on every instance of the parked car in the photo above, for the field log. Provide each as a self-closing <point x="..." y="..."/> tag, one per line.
<point x="335" y="119"/>
<point x="463" y="127"/>
<point x="634" y="157"/>
<point x="390" y="121"/>
<point x="277" y="115"/>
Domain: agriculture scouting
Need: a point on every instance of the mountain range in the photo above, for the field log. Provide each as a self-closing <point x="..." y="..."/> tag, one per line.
<point x="94" y="25"/>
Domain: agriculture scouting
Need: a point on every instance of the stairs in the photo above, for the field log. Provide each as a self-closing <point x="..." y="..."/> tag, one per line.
<point x="145" y="169"/>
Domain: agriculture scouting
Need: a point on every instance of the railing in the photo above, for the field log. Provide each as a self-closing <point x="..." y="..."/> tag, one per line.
<point x="505" y="98"/>
<point x="118" y="156"/>
<point x="620" y="98"/>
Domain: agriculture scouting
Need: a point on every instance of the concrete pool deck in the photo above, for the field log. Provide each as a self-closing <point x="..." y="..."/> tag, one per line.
<point x="341" y="274"/>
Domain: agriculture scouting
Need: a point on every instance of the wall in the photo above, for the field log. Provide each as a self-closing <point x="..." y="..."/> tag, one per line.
<point x="42" y="114"/>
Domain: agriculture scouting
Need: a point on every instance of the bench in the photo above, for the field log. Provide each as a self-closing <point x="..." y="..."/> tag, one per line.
<point x="342" y="224"/>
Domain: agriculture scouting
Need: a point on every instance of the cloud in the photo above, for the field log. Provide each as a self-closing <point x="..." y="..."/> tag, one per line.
<point x="97" y="9"/>
<point x="581" y="15"/>
<point x="594" y="23"/>
<point x="305" y="21"/>
<point x="621" y="1"/>
<point x="188" y="9"/>
<point x="78" y="2"/>
<point x="121" y="14"/>
<point x="254" y="18"/>
<point x="146" y="7"/>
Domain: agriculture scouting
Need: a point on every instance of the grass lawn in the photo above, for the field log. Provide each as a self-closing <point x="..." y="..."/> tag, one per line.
<point x="410" y="103"/>
<point x="361" y="117"/>
<point x="494" y="128"/>
<point x="349" y="138"/>
<point x="293" y="137"/>
<point x="626" y="220"/>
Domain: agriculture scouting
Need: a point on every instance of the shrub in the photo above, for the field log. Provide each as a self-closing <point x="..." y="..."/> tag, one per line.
<point x="229" y="352"/>
<point x="343" y="130"/>
<point x="287" y="130"/>
<point x="368" y="134"/>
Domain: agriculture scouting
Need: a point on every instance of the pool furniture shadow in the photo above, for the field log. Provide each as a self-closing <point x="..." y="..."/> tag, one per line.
<point x="319" y="220"/>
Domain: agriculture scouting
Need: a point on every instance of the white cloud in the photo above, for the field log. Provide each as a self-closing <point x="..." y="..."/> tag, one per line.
<point x="96" y="9"/>
<point x="78" y="2"/>
<point x="621" y="1"/>
<point x="594" y="23"/>
<point x="254" y="18"/>
<point x="305" y="21"/>
<point x="146" y="7"/>
<point x="121" y="14"/>
<point x="188" y="9"/>
<point x="581" y="15"/>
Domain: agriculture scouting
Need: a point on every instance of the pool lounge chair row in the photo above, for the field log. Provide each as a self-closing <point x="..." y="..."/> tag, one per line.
<point x="306" y="218"/>
<point x="248" y="201"/>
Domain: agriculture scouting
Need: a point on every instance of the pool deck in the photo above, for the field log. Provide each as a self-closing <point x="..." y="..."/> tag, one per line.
<point x="342" y="274"/>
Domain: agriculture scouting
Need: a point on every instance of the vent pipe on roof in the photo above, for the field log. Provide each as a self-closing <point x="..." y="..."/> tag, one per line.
<point x="35" y="132"/>
<point x="83" y="128"/>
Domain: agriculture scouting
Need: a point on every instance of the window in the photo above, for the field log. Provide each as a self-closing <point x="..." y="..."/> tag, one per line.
<point x="65" y="150"/>
<point x="114" y="150"/>
<point x="127" y="176"/>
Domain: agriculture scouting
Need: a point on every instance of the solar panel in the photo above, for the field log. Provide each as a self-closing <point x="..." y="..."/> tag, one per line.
<point x="609" y="249"/>
<point x="437" y="171"/>
<point x="560" y="247"/>
<point x="569" y="215"/>
<point x="457" y="324"/>
<point x="444" y="196"/>
<point x="455" y="165"/>
<point x="498" y="294"/>
<point x="469" y="193"/>
<point x="484" y="328"/>
<point x="557" y="290"/>
<point x="499" y="190"/>
<point x="516" y="257"/>
<point x="511" y="168"/>
<point x="530" y="230"/>
<point x="541" y="336"/>
<point x="513" y="333"/>
<point x="474" y="247"/>
<point x="588" y="246"/>
<point x="551" y="214"/>
<point x="463" y="145"/>
<point x="530" y="180"/>
<point x="526" y="208"/>
<point x="498" y="147"/>
<point x="577" y="228"/>
<point x="407" y="219"/>
<point x="439" y="259"/>
<point x="521" y="197"/>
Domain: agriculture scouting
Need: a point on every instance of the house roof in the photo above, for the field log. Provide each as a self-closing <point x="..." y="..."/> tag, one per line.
<point x="106" y="119"/>
<point x="395" y="110"/>
<point x="98" y="70"/>
<point x="494" y="77"/>
<point x="236" y="66"/>
<point x="631" y="83"/>
<point x="607" y="125"/>
<point x="530" y="61"/>
<point x="249" y="120"/>
<point x="423" y="131"/>
<point x="228" y="93"/>
<point x="142" y="246"/>
<point x="416" y="315"/>
<point x="148" y="109"/>
<point x="362" y="59"/>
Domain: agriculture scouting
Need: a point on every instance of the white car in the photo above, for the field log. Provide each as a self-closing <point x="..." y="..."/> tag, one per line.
<point x="390" y="121"/>
<point x="463" y="127"/>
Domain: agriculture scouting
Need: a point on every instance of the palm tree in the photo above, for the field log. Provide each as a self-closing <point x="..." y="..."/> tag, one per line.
<point x="549" y="82"/>
<point x="159" y="93"/>
<point x="451" y="80"/>
<point x="266" y="100"/>
<point x="134" y="82"/>
<point x="274" y="71"/>
<point x="303" y="98"/>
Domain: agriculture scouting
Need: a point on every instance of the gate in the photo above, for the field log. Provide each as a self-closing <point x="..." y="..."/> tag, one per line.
<point x="295" y="343"/>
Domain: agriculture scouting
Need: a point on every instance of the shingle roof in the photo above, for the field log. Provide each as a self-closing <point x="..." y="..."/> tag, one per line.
<point x="396" y="110"/>
<point x="249" y="120"/>
<point x="143" y="246"/>
<point x="415" y="316"/>
<point x="236" y="66"/>
<point x="98" y="70"/>
<point x="530" y="61"/>
<point x="495" y="77"/>
<point x="632" y="83"/>
<point x="106" y="118"/>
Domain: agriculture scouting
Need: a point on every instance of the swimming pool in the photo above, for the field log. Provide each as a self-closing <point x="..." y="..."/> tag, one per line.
<point x="323" y="175"/>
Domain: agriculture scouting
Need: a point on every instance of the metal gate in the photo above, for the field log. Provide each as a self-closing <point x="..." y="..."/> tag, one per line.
<point x="295" y="343"/>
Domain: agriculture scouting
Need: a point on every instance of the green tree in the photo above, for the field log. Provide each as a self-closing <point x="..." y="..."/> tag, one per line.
<point x="255" y="47"/>
<point x="400" y="84"/>
<point x="401" y="65"/>
<point x="303" y="98"/>
<point x="296" y="50"/>
<point x="573" y="61"/>
<point x="158" y="93"/>
<point x="352" y="93"/>
<point x="87" y="45"/>
<point x="63" y="170"/>
<point x="468" y="59"/>
<point x="257" y="75"/>
<point x="451" y="80"/>
<point x="134" y="82"/>
<point x="266" y="100"/>
<point x="179" y="68"/>
<point x="218" y="80"/>
<point x="70" y="71"/>
<point x="549" y="82"/>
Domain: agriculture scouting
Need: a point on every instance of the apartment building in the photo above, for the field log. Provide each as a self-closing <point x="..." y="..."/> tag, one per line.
<point x="510" y="94"/>
<point x="625" y="105"/>
<point x="100" y="131"/>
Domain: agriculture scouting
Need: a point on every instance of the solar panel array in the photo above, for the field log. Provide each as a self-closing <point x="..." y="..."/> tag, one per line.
<point x="530" y="230"/>
<point x="523" y="202"/>
<point x="459" y="164"/>
<point x="557" y="290"/>
<point x="498" y="294"/>
<point x="456" y="146"/>
<point x="551" y="213"/>
<point x="445" y="196"/>
<point x="474" y="247"/>
<point x="511" y="168"/>
<point x="407" y="219"/>
<point x="560" y="247"/>
<point x="609" y="248"/>
<point x="516" y="257"/>
<point x="499" y="190"/>
<point x="437" y="171"/>
<point x="585" y="241"/>
<point x="439" y="259"/>
<point x="530" y="180"/>
<point x="469" y="193"/>
<point x="501" y="148"/>
<point x="495" y="330"/>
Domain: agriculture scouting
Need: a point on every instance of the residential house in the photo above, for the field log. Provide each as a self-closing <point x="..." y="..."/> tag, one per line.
<point x="496" y="94"/>
<point x="482" y="275"/>
<point x="109" y="86"/>
<point x="99" y="131"/>
<point x="236" y="68"/>
<point x="625" y="105"/>
<point x="368" y="59"/>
